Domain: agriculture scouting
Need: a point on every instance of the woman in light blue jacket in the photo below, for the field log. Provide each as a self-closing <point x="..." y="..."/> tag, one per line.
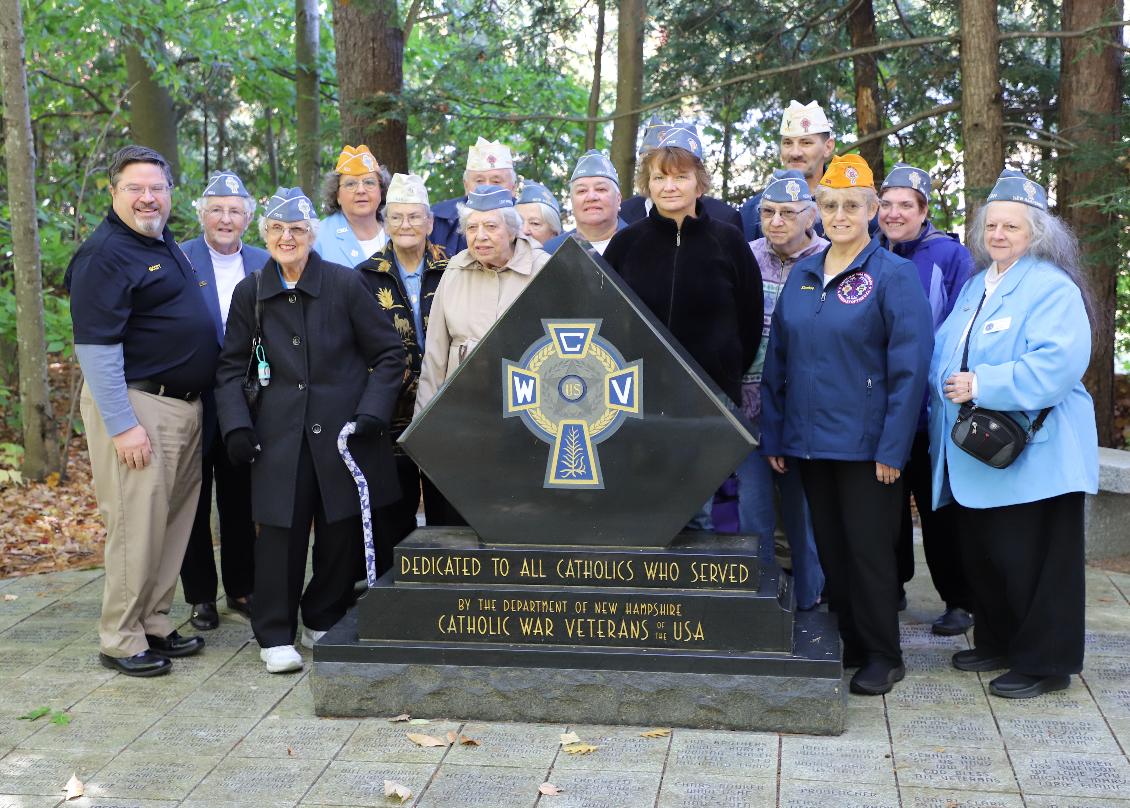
<point x="1026" y="316"/>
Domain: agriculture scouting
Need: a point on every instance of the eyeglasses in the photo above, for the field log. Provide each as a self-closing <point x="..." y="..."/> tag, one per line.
<point x="158" y="189"/>
<point x="280" y="230"/>
<point x="848" y="206"/>
<point x="413" y="219"/>
<point x="218" y="213"/>
<point x="786" y="214"/>
<point x="352" y="185"/>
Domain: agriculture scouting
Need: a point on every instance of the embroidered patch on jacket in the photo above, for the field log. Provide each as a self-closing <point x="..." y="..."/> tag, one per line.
<point x="855" y="288"/>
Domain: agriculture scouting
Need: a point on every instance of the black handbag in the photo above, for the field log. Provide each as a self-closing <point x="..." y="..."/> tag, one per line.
<point x="991" y="436"/>
<point x="252" y="384"/>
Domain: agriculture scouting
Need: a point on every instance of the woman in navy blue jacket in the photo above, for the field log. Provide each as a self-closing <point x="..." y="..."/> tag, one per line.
<point x="845" y="372"/>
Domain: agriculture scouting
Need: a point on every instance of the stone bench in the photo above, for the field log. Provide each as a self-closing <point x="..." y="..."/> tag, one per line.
<point x="1108" y="513"/>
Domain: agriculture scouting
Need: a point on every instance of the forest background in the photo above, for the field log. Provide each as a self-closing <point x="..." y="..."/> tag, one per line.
<point x="272" y="91"/>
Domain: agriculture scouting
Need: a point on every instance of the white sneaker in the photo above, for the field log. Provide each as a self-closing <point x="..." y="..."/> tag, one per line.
<point x="310" y="636"/>
<point x="281" y="659"/>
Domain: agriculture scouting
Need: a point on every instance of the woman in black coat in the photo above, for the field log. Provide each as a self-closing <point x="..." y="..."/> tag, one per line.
<point x="333" y="358"/>
<point x="697" y="275"/>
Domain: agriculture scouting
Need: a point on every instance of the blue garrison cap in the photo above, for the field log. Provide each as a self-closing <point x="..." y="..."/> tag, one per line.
<point x="536" y="192"/>
<point x="787" y="186"/>
<point x="683" y="136"/>
<point x="1013" y="186"/>
<point x="595" y="164"/>
<point x="289" y="205"/>
<point x="653" y="132"/>
<point x="225" y="183"/>
<point x="904" y="175"/>
<point x="489" y="197"/>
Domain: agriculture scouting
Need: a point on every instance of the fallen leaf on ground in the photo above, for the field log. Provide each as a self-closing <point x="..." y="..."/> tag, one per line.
<point x="579" y="749"/>
<point x="655" y="733"/>
<point x="401" y="717"/>
<point x="60" y="719"/>
<point x="549" y="789"/>
<point x="36" y="714"/>
<point x="395" y="789"/>
<point x="425" y="740"/>
<point x="74" y="788"/>
<point x="11" y="597"/>
<point x="461" y="739"/>
<point x="570" y="737"/>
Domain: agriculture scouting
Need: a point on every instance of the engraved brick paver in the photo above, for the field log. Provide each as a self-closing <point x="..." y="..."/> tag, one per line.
<point x="219" y="732"/>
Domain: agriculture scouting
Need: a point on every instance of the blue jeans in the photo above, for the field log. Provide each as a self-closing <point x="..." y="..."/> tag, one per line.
<point x="758" y="485"/>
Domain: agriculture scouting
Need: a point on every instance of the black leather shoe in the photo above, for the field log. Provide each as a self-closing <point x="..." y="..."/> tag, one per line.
<point x="1013" y="685"/>
<point x="146" y="663"/>
<point x="175" y="645"/>
<point x="242" y="607"/>
<point x="204" y="616"/>
<point x="876" y="678"/>
<point x="952" y="622"/>
<point x="976" y="661"/>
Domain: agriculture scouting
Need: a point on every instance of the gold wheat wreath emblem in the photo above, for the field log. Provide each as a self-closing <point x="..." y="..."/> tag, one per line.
<point x="573" y="390"/>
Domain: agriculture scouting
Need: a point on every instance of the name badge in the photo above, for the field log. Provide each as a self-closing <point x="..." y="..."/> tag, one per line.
<point x="1000" y="324"/>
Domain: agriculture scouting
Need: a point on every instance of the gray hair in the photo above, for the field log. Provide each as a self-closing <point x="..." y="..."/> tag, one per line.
<point x="552" y="217"/>
<point x="510" y="217"/>
<point x="1051" y="240"/>
<point x="264" y="221"/>
<point x="249" y="203"/>
<point x="137" y="154"/>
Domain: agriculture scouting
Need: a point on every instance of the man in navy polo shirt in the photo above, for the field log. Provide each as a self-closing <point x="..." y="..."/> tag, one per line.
<point x="148" y="348"/>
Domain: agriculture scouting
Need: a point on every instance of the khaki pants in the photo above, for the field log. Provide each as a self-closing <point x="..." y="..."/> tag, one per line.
<point x="148" y="514"/>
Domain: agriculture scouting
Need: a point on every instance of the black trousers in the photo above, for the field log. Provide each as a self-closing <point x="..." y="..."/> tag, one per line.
<point x="393" y="522"/>
<point x="939" y="532"/>
<point x="237" y="531"/>
<point x="280" y="565"/>
<point x="1025" y="569"/>
<point x="855" y="519"/>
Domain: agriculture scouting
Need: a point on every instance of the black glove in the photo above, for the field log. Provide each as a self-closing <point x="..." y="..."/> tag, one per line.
<point x="242" y="446"/>
<point x="369" y="428"/>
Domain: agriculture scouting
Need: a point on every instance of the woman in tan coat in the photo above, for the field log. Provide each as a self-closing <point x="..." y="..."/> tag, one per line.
<point x="479" y="285"/>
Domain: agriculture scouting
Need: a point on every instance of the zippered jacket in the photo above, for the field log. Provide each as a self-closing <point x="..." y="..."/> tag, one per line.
<point x="702" y="282"/>
<point x="847" y="362"/>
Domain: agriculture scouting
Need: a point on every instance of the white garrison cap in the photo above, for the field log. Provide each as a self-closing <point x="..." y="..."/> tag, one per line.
<point x="487" y="155"/>
<point x="804" y="119"/>
<point x="407" y="189"/>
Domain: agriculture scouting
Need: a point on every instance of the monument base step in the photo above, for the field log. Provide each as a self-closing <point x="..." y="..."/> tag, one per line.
<point x="801" y="692"/>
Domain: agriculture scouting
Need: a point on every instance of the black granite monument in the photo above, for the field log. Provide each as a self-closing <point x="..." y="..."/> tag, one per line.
<point x="577" y="440"/>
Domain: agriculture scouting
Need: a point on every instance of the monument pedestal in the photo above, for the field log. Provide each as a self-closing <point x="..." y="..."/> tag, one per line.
<point x="701" y="633"/>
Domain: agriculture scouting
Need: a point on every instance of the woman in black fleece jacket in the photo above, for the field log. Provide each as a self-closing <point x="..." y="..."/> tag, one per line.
<point x="697" y="275"/>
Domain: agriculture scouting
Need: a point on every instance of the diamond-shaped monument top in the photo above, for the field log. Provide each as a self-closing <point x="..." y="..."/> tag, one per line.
<point x="578" y="419"/>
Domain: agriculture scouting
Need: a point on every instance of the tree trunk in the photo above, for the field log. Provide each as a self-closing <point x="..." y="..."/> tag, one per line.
<point x="41" y="453"/>
<point x="307" y="110"/>
<point x="629" y="86"/>
<point x="868" y="109"/>
<point x="594" y="93"/>
<point x="369" y="45"/>
<point x="982" y="117"/>
<point x="152" y="119"/>
<point x="272" y="150"/>
<point x="1089" y="97"/>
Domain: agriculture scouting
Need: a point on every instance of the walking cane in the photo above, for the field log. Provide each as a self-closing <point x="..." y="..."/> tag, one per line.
<point x="363" y="493"/>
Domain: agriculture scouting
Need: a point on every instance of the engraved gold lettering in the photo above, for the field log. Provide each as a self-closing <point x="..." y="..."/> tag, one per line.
<point x="686" y="631"/>
<point x="536" y="626"/>
<point x="713" y="572"/>
<point x="661" y="570"/>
